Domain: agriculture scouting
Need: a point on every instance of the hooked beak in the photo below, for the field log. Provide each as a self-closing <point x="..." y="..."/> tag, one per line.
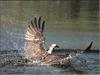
<point x="57" y="46"/>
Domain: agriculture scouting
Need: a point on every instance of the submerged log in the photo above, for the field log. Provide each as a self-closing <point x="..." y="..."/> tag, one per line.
<point x="87" y="50"/>
<point x="75" y="50"/>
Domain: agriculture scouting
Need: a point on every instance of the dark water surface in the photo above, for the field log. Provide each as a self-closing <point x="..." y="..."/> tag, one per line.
<point x="70" y="24"/>
<point x="12" y="62"/>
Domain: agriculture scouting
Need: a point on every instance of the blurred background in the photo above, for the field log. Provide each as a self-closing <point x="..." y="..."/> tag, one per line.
<point x="69" y="23"/>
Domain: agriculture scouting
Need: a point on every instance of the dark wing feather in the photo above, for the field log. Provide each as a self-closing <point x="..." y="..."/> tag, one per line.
<point x="35" y="22"/>
<point x="39" y="22"/>
<point x="43" y="26"/>
<point x="32" y="23"/>
<point x="35" y="30"/>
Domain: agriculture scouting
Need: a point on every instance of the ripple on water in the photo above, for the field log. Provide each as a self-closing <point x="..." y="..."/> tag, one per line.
<point x="12" y="62"/>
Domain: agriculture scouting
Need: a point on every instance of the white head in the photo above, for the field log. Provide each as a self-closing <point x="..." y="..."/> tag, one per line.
<point x="51" y="48"/>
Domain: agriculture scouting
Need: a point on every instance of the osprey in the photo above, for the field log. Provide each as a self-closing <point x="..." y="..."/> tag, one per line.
<point x="34" y="48"/>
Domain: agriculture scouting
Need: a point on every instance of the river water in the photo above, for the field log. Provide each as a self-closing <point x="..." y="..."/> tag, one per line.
<point x="69" y="24"/>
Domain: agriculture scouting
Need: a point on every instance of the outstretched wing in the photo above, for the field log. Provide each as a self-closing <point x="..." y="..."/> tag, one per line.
<point x="34" y="31"/>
